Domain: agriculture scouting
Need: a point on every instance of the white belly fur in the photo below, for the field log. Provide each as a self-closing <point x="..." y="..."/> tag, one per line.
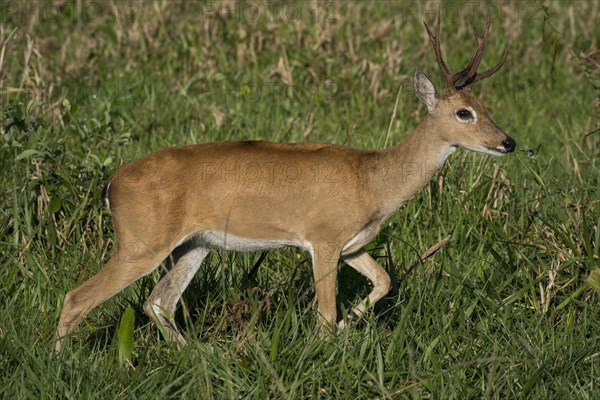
<point x="227" y="241"/>
<point x="231" y="242"/>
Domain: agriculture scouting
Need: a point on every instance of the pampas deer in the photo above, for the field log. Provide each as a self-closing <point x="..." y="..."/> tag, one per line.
<point x="328" y="199"/>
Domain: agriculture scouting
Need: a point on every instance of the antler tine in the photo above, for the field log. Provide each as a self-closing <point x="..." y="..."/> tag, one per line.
<point x="468" y="75"/>
<point x="435" y="41"/>
<point x="492" y="70"/>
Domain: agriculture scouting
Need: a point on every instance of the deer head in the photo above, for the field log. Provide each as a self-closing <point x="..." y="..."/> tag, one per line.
<point x="459" y="114"/>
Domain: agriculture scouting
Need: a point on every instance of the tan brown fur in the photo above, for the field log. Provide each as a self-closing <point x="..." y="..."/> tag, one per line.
<point x="326" y="198"/>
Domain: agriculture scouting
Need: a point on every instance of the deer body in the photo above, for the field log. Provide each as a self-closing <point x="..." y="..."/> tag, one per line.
<point x="246" y="196"/>
<point x="286" y="194"/>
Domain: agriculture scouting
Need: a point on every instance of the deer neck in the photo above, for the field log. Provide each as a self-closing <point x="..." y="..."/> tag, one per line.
<point x="409" y="166"/>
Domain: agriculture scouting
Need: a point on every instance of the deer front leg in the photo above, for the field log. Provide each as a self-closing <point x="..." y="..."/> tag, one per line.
<point x="366" y="265"/>
<point x="325" y="260"/>
<point x="162" y="302"/>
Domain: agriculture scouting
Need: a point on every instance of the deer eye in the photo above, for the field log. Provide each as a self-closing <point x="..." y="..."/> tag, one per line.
<point x="464" y="114"/>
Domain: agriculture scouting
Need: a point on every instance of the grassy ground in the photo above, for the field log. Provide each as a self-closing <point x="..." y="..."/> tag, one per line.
<point x="503" y="311"/>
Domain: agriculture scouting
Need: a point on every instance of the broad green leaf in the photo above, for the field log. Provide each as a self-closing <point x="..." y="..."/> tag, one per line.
<point x="125" y="336"/>
<point x="54" y="205"/>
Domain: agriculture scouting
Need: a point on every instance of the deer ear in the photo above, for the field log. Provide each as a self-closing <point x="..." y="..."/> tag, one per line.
<point x="424" y="90"/>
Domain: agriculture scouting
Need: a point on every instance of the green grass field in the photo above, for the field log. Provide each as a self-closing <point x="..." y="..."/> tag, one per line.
<point x="504" y="311"/>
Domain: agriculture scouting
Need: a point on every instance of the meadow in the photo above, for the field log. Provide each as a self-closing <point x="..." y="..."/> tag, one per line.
<point x="503" y="311"/>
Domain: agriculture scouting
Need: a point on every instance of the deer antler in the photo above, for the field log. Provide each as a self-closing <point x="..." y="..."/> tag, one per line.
<point x="435" y="42"/>
<point x="468" y="76"/>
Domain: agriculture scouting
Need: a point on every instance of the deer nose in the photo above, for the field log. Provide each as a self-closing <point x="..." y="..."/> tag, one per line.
<point x="509" y="145"/>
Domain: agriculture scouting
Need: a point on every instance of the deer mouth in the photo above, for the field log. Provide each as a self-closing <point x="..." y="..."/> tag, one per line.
<point x="500" y="150"/>
<point x="494" y="151"/>
<point x="508" y="146"/>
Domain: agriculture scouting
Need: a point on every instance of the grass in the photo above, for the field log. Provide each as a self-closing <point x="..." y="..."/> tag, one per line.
<point x="503" y="311"/>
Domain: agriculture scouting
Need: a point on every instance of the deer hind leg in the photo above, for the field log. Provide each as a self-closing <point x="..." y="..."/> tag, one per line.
<point x="366" y="265"/>
<point x="162" y="302"/>
<point x="325" y="261"/>
<point x="118" y="273"/>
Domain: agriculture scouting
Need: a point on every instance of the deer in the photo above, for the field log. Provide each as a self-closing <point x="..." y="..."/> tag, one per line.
<point x="328" y="199"/>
